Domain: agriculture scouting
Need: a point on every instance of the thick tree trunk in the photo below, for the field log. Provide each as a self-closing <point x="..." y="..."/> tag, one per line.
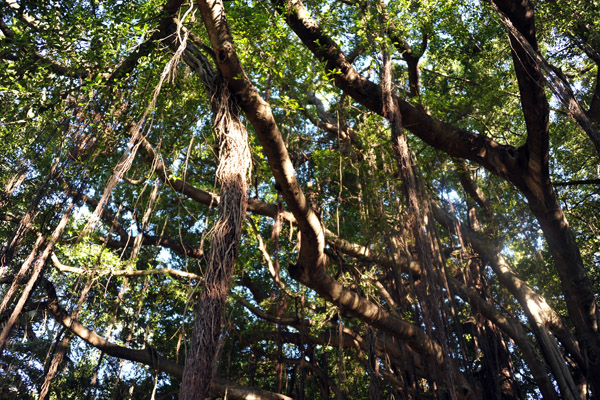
<point x="232" y="172"/>
<point x="579" y="296"/>
<point x="533" y="179"/>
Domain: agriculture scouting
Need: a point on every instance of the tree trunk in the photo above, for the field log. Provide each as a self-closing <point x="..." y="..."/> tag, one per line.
<point x="232" y="173"/>
<point x="579" y="296"/>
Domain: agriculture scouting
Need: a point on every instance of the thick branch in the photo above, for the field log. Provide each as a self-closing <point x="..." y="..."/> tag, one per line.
<point x="385" y="345"/>
<point x="260" y="116"/>
<point x="192" y="59"/>
<point x="470" y="187"/>
<point x="147" y="356"/>
<point x="499" y="159"/>
<point x="533" y="71"/>
<point x="327" y="122"/>
<point x="578" y="182"/>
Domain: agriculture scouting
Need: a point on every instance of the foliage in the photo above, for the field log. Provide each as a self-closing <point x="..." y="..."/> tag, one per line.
<point x="77" y="76"/>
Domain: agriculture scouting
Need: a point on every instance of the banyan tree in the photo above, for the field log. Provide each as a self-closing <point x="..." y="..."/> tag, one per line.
<point x="278" y="199"/>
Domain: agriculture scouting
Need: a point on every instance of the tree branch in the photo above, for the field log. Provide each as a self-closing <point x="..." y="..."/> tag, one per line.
<point x="497" y="158"/>
<point x="124" y="272"/>
<point x="260" y="116"/>
<point x="533" y="72"/>
<point x="146" y="356"/>
<point x="578" y="182"/>
<point x="310" y="269"/>
<point x="534" y="305"/>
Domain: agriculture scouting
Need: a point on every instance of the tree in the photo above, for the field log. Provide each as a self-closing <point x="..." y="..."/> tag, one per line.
<point x="348" y="199"/>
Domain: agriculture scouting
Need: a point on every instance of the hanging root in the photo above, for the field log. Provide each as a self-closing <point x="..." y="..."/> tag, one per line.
<point x="232" y="174"/>
<point x="136" y="133"/>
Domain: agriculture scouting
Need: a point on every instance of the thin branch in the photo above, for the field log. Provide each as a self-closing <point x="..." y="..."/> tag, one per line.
<point x="578" y="182"/>
<point x="123" y="272"/>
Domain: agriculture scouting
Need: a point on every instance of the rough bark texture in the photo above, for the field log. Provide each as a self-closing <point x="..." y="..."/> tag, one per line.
<point x="232" y="173"/>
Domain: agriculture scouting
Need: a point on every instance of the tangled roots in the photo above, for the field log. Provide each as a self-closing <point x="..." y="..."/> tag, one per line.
<point x="232" y="174"/>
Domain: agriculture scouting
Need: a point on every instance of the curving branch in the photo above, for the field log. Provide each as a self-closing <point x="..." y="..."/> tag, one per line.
<point x="123" y="272"/>
<point x="329" y="123"/>
<point x="385" y="345"/>
<point x="497" y="158"/>
<point x="310" y="269"/>
<point x="147" y="356"/>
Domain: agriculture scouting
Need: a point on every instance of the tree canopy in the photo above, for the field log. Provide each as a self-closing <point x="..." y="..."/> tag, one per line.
<point x="282" y="199"/>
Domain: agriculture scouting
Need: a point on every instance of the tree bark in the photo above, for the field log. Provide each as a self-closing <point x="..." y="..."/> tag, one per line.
<point x="232" y="173"/>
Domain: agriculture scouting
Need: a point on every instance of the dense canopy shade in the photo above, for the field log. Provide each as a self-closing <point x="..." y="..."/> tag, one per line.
<point x="356" y="199"/>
